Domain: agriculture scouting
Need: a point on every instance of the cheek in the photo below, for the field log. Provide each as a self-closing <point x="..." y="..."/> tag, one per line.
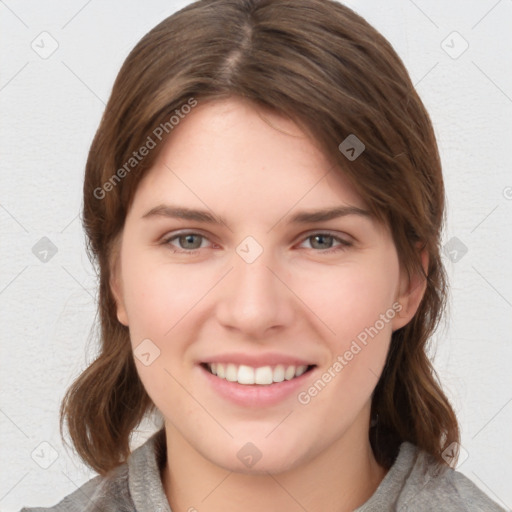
<point x="351" y="298"/>
<point x="158" y="295"/>
<point x="159" y="299"/>
<point x="355" y="303"/>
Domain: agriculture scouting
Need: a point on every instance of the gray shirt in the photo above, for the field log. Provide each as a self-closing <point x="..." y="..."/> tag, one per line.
<point x="411" y="485"/>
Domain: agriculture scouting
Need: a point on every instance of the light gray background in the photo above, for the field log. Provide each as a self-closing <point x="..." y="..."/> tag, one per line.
<point x="50" y="109"/>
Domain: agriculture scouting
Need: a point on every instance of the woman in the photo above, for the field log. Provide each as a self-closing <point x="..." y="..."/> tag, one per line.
<point x="264" y="200"/>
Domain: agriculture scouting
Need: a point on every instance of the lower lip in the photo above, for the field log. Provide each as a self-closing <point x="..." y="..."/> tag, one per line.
<point x="255" y="395"/>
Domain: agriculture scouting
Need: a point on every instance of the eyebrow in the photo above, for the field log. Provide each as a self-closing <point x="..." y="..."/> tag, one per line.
<point x="328" y="214"/>
<point x="304" y="217"/>
<point x="180" y="212"/>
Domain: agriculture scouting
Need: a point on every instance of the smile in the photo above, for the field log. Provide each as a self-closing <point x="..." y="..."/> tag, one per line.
<point x="262" y="375"/>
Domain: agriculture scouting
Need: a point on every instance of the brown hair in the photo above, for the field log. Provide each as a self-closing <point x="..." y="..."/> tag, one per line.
<point x="326" y="68"/>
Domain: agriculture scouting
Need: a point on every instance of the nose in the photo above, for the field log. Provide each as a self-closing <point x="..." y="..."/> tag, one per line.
<point x="254" y="299"/>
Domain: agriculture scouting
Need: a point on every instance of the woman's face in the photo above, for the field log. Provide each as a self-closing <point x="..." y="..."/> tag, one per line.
<point x="229" y="264"/>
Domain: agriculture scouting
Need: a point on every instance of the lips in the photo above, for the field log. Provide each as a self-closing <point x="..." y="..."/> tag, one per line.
<point x="260" y="375"/>
<point x="255" y="380"/>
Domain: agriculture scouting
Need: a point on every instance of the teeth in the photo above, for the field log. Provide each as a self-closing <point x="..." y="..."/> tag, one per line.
<point x="289" y="373"/>
<point x="263" y="375"/>
<point x="300" y="370"/>
<point x="245" y="375"/>
<point x="278" y="374"/>
<point x="231" y="373"/>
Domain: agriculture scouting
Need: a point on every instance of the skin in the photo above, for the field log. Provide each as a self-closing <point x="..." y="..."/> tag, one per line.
<point x="256" y="170"/>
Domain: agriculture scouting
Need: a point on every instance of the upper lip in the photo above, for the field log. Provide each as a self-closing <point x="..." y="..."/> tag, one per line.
<point x="258" y="360"/>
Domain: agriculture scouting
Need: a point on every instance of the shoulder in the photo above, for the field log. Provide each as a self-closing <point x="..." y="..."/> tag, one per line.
<point x="124" y="489"/>
<point x="100" y="493"/>
<point x="423" y="485"/>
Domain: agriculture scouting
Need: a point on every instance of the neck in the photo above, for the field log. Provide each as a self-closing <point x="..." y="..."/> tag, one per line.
<point x="339" y="479"/>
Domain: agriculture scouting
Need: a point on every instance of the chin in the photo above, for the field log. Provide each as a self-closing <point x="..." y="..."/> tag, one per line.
<point x="253" y="459"/>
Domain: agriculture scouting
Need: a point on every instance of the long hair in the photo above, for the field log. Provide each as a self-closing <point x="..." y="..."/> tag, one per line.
<point x="324" y="67"/>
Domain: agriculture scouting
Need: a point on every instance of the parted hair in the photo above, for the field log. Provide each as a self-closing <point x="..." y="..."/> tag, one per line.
<point x="323" y="66"/>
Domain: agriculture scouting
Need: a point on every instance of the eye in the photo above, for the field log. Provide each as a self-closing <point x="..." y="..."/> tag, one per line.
<point x="326" y="242"/>
<point x="186" y="242"/>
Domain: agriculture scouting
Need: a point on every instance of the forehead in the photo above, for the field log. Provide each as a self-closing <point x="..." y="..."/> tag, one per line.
<point x="231" y="154"/>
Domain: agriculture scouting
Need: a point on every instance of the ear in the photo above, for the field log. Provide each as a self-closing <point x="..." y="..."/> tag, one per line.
<point x="116" y="288"/>
<point x="410" y="293"/>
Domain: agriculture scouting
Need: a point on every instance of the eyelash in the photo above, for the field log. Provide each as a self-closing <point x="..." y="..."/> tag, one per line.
<point x="343" y="244"/>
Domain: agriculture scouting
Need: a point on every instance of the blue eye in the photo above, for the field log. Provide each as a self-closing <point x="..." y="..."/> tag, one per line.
<point x="190" y="243"/>
<point x="322" y="241"/>
<point x="187" y="242"/>
<point x="325" y="242"/>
